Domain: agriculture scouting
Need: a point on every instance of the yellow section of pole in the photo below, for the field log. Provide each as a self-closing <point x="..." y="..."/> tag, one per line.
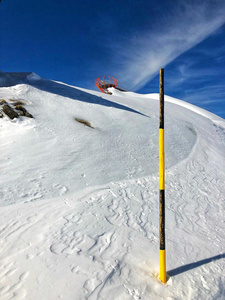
<point x="161" y="160"/>
<point x="162" y="260"/>
<point x="162" y="248"/>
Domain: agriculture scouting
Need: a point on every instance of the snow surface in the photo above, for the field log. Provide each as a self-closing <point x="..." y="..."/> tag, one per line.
<point x="79" y="205"/>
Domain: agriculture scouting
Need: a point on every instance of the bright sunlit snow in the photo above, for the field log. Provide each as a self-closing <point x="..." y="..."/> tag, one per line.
<point x="79" y="204"/>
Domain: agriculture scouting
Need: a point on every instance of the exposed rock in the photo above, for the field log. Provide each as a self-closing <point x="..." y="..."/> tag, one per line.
<point x="10" y="112"/>
<point x="1" y="115"/>
<point x="23" y="111"/>
<point x="2" y="101"/>
<point x="82" y="121"/>
<point x="17" y="102"/>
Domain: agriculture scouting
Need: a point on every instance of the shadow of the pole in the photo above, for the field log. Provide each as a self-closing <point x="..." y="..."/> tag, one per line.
<point x="194" y="265"/>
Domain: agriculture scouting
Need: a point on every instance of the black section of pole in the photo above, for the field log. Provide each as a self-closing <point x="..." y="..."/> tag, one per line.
<point x="161" y="98"/>
<point x="162" y="245"/>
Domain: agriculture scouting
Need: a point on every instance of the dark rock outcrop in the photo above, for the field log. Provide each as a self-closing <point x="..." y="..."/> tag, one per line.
<point x="10" y="112"/>
<point x="23" y="111"/>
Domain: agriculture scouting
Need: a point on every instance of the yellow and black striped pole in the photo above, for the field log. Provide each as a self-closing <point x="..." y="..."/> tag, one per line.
<point x="162" y="249"/>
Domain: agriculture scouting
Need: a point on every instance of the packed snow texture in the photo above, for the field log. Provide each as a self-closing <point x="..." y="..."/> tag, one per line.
<point x="79" y="205"/>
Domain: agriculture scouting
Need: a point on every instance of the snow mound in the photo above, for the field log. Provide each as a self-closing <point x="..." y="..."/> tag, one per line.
<point x="67" y="149"/>
<point x="85" y="200"/>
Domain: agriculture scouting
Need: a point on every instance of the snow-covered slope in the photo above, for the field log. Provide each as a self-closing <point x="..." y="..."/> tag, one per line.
<point x="80" y="205"/>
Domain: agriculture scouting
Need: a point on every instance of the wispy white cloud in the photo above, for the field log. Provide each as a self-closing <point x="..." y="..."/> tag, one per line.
<point x="202" y="84"/>
<point x="187" y="72"/>
<point x="140" y="57"/>
<point x="215" y="92"/>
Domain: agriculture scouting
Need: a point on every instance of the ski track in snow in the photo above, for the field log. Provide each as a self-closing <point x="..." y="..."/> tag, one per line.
<point x="102" y="242"/>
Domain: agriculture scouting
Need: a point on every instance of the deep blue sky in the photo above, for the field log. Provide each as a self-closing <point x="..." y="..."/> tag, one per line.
<point x="77" y="41"/>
